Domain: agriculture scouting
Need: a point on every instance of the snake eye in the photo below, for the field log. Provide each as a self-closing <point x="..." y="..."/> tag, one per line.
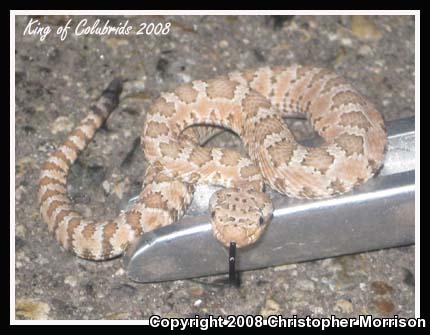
<point x="261" y="221"/>
<point x="213" y="214"/>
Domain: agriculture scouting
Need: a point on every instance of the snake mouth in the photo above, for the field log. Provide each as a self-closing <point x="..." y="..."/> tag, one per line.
<point x="240" y="235"/>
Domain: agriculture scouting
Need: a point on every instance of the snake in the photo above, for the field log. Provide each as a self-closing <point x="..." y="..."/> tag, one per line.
<point x="251" y="103"/>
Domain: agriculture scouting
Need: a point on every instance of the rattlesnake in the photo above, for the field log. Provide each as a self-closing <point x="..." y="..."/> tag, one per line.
<point x="252" y="104"/>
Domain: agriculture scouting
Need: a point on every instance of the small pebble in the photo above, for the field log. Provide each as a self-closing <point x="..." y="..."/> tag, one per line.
<point x="364" y="29"/>
<point x="223" y="44"/>
<point x="409" y="278"/>
<point x="270" y="308"/>
<point x="120" y="188"/>
<point x="346" y="41"/>
<point x="305" y="285"/>
<point x="19" y="192"/>
<point x="31" y="309"/>
<point x="365" y="50"/>
<point x="197" y="291"/>
<point x="106" y="186"/>
<point x="381" y="288"/>
<point x="23" y="166"/>
<point x="318" y="310"/>
<point x="39" y="108"/>
<point x="343" y="306"/>
<point x="117" y="316"/>
<point x="20" y="231"/>
<point x="383" y="306"/>
<point x="285" y="267"/>
<point x="71" y="281"/>
<point x="184" y="77"/>
<point x="61" y="124"/>
<point x="114" y="42"/>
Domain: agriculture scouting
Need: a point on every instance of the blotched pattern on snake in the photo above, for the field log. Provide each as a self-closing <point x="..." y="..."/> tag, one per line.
<point x="252" y="104"/>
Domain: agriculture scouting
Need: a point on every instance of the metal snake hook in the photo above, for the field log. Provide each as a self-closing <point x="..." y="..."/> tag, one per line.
<point x="233" y="276"/>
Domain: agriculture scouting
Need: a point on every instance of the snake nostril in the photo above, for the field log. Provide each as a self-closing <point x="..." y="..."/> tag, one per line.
<point x="261" y="221"/>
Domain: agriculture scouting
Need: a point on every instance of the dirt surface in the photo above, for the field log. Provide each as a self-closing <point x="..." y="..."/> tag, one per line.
<point x="57" y="80"/>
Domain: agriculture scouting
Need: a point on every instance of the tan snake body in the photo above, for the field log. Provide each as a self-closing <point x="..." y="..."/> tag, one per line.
<point x="250" y="103"/>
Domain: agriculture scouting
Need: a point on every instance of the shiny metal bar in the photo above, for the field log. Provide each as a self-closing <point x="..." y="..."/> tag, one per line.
<point x="380" y="214"/>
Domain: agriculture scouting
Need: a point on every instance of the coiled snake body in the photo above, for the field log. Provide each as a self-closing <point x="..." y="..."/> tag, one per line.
<point x="250" y="103"/>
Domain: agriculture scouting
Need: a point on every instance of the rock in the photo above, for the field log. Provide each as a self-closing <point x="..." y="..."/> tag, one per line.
<point x="343" y="306"/>
<point x="346" y="41"/>
<point x="285" y="267"/>
<point x="39" y="108"/>
<point x="31" y="309"/>
<point x="297" y="295"/>
<point x="124" y="290"/>
<point x="162" y="66"/>
<point x="184" y="77"/>
<point x="271" y="307"/>
<point x="409" y="278"/>
<point x="305" y="285"/>
<point x="61" y="124"/>
<point x="318" y="310"/>
<point x="223" y="44"/>
<point x="331" y="265"/>
<point x="19" y="243"/>
<point x="23" y="166"/>
<point x="197" y="291"/>
<point x="62" y="307"/>
<point x="117" y="316"/>
<point x="383" y="306"/>
<point x="19" y="192"/>
<point x="115" y="42"/>
<point x="277" y="21"/>
<point x="380" y="287"/>
<point x="45" y="147"/>
<point x="71" y="280"/>
<point x="20" y="231"/>
<point x="364" y="29"/>
<point x="121" y="187"/>
<point x="21" y="257"/>
<point x="89" y="290"/>
<point x="365" y="50"/>
<point x="106" y="186"/>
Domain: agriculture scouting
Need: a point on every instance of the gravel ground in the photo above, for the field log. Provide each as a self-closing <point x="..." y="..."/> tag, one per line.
<point x="57" y="80"/>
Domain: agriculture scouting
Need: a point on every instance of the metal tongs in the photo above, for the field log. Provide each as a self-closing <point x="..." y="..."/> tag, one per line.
<point x="379" y="214"/>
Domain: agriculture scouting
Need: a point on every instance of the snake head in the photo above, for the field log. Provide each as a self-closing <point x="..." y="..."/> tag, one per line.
<point x="239" y="216"/>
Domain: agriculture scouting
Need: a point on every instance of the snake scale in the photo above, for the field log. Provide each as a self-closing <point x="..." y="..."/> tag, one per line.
<point x="252" y="104"/>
